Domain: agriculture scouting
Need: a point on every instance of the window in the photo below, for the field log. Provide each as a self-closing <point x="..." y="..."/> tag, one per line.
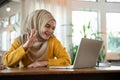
<point x="113" y="32"/>
<point x="4" y="40"/>
<point x="12" y="36"/>
<point x="12" y="19"/>
<point x="10" y="30"/>
<point x="89" y="0"/>
<point x="112" y="0"/>
<point x="5" y="22"/>
<point x="106" y="17"/>
<point x="80" y="18"/>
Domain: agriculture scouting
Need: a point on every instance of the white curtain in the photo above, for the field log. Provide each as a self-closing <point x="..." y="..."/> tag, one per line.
<point x="60" y="9"/>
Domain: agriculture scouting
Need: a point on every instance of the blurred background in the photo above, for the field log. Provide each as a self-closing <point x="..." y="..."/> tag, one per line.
<point x="71" y="15"/>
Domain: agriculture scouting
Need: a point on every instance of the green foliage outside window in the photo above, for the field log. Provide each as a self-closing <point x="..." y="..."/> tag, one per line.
<point x="114" y="42"/>
<point x="93" y="35"/>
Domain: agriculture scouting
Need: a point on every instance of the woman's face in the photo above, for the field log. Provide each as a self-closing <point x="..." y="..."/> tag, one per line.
<point x="48" y="29"/>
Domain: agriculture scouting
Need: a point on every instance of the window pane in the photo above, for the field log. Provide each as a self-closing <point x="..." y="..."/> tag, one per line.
<point x="5" y="22"/>
<point x="88" y="0"/>
<point x="4" y="40"/>
<point x="12" y="36"/>
<point x="113" y="0"/>
<point x="113" y="32"/>
<point x="80" y="18"/>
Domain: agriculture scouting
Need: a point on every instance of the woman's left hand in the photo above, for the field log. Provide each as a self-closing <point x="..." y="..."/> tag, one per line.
<point x="2" y="67"/>
<point x="38" y="64"/>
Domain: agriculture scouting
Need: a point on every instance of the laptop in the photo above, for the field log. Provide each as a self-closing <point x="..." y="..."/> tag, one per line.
<point x="87" y="54"/>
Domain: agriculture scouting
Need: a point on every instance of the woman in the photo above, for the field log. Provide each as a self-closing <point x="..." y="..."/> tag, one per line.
<point x="37" y="47"/>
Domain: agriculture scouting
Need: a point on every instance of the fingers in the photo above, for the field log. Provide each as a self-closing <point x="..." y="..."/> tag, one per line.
<point x="34" y="65"/>
<point x="2" y="67"/>
<point x="38" y="64"/>
<point x="32" y="36"/>
<point x="31" y="39"/>
<point x="30" y="66"/>
<point x="33" y="33"/>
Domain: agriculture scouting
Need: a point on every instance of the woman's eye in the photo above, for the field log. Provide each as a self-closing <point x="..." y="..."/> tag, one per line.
<point x="53" y="28"/>
<point x="47" y="25"/>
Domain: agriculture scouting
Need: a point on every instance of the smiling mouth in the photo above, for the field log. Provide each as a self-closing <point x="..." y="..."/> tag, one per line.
<point x="48" y="35"/>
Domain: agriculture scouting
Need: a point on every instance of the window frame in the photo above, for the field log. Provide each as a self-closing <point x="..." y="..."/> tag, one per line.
<point x="111" y="1"/>
<point x="102" y="9"/>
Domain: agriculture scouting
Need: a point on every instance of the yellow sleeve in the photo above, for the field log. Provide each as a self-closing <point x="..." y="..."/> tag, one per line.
<point x="14" y="54"/>
<point x="62" y="56"/>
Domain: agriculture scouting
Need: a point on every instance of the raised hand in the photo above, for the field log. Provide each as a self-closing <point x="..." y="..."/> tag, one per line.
<point x="31" y="39"/>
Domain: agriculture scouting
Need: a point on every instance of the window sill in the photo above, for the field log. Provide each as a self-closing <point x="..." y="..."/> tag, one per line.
<point x="113" y="56"/>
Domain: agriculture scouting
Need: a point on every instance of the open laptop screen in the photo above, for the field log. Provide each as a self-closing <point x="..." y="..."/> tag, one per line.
<point x="87" y="54"/>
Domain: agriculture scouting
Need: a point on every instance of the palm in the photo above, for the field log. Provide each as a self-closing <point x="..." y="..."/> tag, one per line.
<point x="31" y="39"/>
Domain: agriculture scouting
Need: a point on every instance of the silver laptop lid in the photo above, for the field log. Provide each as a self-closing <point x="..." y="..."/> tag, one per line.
<point x="87" y="53"/>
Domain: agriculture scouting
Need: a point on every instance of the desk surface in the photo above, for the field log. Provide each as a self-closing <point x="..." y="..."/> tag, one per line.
<point x="98" y="72"/>
<point x="33" y="71"/>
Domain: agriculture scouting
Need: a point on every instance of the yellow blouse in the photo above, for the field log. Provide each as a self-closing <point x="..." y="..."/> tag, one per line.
<point x="17" y="54"/>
